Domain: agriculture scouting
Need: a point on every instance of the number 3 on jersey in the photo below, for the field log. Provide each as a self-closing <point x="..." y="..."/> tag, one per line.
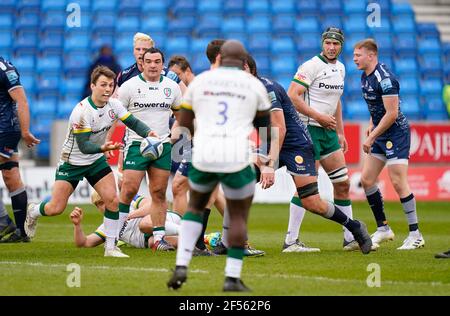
<point x="223" y="113"/>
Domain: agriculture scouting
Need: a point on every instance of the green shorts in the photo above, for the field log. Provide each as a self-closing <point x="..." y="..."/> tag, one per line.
<point x="236" y="185"/>
<point x="133" y="160"/>
<point x="325" y="141"/>
<point x="72" y="173"/>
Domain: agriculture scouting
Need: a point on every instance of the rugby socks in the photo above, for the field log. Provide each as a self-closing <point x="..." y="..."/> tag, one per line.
<point x="375" y="200"/>
<point x="336" y="215"/>
<point x="409" y="206"/>
<point x="172" y="228"/>
<point x="346" y="207"/>
<point x="38" y="210"/>
<point x="19" y="201"/>
<point x="110" y="221"/>
<point x="296" y="214"/>
<point x="158" y="233"/>
<point x="234" y="262"/>
<point x="124" y="210"/>
<point x="200" y="244"/>
<point x="191" y="228"/>
<point x="225" y="225"/>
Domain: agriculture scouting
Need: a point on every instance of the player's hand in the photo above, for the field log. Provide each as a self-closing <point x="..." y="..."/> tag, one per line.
<point x="109" y="154"/>
<point x="267" y="177"/>
<point x="368" y="144"/>
<point x="76" y="216"/>
<point x="30" y="140"/>
<point x="153" y="133"/>
<point x="327" y="121"/>
<point x="110" y="146"/>
<point x="343" y="143"/>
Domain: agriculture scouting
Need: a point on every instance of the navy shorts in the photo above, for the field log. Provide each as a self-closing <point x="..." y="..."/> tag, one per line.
<point x="392" y="149"/>
<point x="8" y="143"/>
<point x="299" y="161"/>
<point x="184" y="168"/>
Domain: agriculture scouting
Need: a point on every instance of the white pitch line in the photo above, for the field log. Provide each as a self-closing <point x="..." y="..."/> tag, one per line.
<point x="277" y="276"/>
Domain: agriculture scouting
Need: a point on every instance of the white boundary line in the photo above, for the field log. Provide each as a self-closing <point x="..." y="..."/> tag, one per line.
<point x="276" y="276"/>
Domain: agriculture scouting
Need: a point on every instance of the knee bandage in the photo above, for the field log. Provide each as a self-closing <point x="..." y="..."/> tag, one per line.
<point x="9" y="165"/>
<point x="338" y="175"/>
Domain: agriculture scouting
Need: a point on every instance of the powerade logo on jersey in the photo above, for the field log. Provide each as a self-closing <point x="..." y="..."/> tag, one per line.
<point x="152" y="105"/>
<point x="331" y="87"/>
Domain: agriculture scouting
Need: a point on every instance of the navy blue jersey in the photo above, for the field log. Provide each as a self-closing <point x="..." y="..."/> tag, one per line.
<point x="296" y="132"/>
<point x="133" y="71"/>
<point x="382" y="82"/>
<point x="9" y="80"/>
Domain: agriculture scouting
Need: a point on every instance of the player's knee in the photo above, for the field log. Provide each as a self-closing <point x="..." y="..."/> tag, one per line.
<point x="111" y="202"/>
<point x="178" y="188"/>
<point x="367" y="182"/>
<point x="342" y="188"/>
<point x="128" y="190"/>
<point x="158" y="194"/>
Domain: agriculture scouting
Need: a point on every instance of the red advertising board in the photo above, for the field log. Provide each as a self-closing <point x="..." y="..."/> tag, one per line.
<point x="430" y="143"/>
<point x="427" y="184"/>
<point x="352" y="134"/>
<point x="117" y="137"/>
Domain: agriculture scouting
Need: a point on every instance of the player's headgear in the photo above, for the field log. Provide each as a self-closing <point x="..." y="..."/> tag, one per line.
<point x="334" y="33"/>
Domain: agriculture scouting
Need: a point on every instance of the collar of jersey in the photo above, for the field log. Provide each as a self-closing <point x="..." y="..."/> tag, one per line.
<point x="230" y="67"/>
<point x="322" y="58"/>
<point x="143" y="79"/>
<point x="92" y="103"/>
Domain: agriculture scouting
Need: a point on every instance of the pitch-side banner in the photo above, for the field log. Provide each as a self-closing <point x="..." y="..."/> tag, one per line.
<point x="430" y="143"/>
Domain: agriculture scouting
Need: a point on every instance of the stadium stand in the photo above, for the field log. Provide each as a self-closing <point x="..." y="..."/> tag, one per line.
<point x="52" y="57"/>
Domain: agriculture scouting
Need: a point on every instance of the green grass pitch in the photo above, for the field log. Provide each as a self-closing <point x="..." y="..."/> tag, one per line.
<point x="40" y="267"/>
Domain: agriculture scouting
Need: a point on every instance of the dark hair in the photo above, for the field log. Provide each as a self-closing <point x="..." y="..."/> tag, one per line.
<point x="213" y="49"/>
<point x="153" y="50"/>
<point x="180" y="61"/>
<point x="252" y="65"/>
<point x="102" y="71"/>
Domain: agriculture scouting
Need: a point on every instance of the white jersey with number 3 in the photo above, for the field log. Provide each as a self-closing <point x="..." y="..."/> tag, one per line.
<point x="150" y="102"/>
<point x="224" y="101"/>
<point x="325" y="84"/>
<point x="87" y="117"/>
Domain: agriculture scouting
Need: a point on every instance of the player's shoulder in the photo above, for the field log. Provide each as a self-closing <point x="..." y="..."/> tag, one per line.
<point x="6" y="65"/>
<point x="340" y="64"/>
<point x="128" y="70"/>
<point x="382" y="72"/>
<point x="114" y="102"/>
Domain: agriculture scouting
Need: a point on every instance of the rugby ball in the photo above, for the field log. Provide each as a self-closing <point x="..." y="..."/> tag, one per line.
<point x="151" y="147"/>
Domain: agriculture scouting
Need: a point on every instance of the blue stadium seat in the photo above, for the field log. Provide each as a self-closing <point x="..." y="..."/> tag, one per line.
<point x="77" y="62"/>
<point x="6" y="40"/>
<point x="262" y="64"/>
<point x="429" y="45"/>
<point x="354" y="23"/>
<point x="308" y="7"/>
<point x="410" y="106"/>
<point x="284" y="81"/>
<point x="53" y="5"/>
<point x="353" y="84"/>
<point x="107" y="39"/>
<point x="53" y="20"/>
<point x="157" y="7"/>
<point x="199" y="63"/>
<point x="26" y="41"/>
<point x="259" y="24"/>
<point x="183" y="8"/>
<point x="181" y="26"/>
<point x="154" y="23"/>
<point x="284" y="65"/>
<point x="386" y="59"/>
<point x="6" y="22"/>
<point x="284" y="25"/>
<point x="70" y="86"/>
<point x="198" y="45"/>
<point x="384" y="42"/>
<point x="356" y="109"/>
<point x="404" y="24"/>
<point x="77" y="41"/>
<point x="206" y="7"/>
<point x="354" y="6"/>
<point x="260" y="44"/>
<point x="284" y="45"/>
<point x="351" y="40"/>
<point x="24" y="63"/>
<point x="159" y="38"/>
<point x="103" y="6"/>
<point x="350" y="67"/>
<point x="130" y="7"/>
<point x="43" y="150"/>
<point x="406" y="67"/>
<point x="105" y="22"/>
<point x="307" y="24"/>
<point x="427" y="30"/>
<point x="8" y="6"/>
<point x="408" y="85"/>
<point x="309" y="43"/>
<point x="257" y="7"/>
<point x="401" y="8"/>
<point x="27" y="81"/>
<point x="43" y="108"/>
<point x="430" y="63"/>
<point x="234" y="24"/>
<point x="406" y="46"/>
<point x="27" y="22"/>
<point x="177" y="46"/>
<point x="64" y="108"/>
<point x="123" y="43"/>
<point x="209" y="26"/>
<point x="431" y="86"/>
<point x="85" y="5"/>
<point x="126" y="59"/>
<point x="234" y="7"/>
<point x="434" y="108"/>
<point x="331" y="20"/>
<point x="331" y="6"/>
<point x="29" y="5"/>
<point x="283" y="7"/>
<point x="128" y="24"/>
<point x="385" y="27"/>
<point x="50" y="64"/>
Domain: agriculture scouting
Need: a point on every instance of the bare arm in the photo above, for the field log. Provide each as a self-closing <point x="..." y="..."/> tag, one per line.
<point x="81" y="241"/>
<point x="143" y="210"/>
<point x="295" y="93"/>
<point x="340" y="127"/>
<point x="23" y="111"/>
<point x="391" y="106"/>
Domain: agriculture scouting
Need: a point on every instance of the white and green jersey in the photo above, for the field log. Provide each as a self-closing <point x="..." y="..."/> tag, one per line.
<point x="87" y="117"/>
<point x="225" y="101"/>
<point x="150" y="102"/>
<point x="325" y="85"/>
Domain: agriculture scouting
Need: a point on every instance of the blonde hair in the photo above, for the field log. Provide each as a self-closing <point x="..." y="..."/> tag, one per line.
<point x="142" y="37"/>
<point x="368" y="44"/>
<point x="95" y="197"/>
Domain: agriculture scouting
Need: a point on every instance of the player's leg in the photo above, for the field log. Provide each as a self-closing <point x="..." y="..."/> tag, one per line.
<point x="398" y="174"/>
<point x="62" y="190"/>
<point x="7" y="226"/>
<point x="19" y="199"/>
<point x="372" y="166"/>
<point x="334" y="165"/>
<point x="180" y="188"/>
<point x="201" y="184"/>
<point x="308" y="191"/>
